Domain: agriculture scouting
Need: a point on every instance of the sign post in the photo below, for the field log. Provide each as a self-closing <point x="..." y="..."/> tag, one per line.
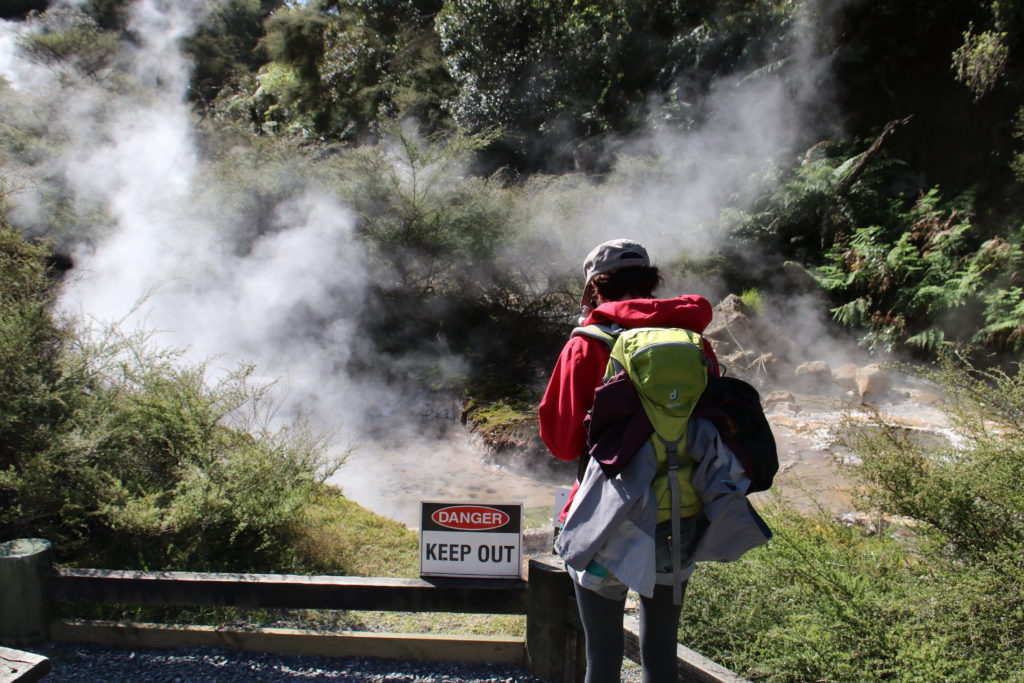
<point x="480" y="540"/>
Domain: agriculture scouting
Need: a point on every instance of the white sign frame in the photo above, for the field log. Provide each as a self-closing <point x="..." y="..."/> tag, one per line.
<point x="474" y="539"/>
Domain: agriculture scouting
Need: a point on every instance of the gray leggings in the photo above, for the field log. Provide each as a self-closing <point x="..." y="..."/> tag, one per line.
<point x="602" y="626"/>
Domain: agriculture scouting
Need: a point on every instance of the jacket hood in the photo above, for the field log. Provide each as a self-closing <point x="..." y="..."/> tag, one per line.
<point x="691" y="311"/>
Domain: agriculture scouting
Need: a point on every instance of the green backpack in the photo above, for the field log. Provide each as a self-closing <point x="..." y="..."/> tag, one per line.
<point x="669" y="369"/>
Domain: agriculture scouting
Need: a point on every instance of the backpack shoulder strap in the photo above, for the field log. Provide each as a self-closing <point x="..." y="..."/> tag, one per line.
<point x="606" y="334"/>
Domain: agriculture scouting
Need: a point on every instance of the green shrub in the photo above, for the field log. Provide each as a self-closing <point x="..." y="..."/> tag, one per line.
<point x="753" y="299"/>
<point x="817" y="603"/>
<point x="67" y="35"/>
<point x="801" y="209"/>
<point x="981" y="61"/>
<point x="935" y="594"/>
<point x="438" y="243"/>
<point x="35" y="399"/>
<point x="124" y="455"/>
<point x="967" y="492"/>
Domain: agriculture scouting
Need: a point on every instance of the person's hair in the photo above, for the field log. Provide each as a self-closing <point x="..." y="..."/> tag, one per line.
<point x="634" y="282"/>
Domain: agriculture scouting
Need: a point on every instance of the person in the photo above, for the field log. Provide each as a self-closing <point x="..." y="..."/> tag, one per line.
<point x="620" y="283"/>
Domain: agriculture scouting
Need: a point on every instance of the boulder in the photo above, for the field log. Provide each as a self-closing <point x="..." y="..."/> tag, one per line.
<point x="767" y="364"/>
<point x="782" y="409"/>
<point x="779" y="397"/>
<point x="846" y="376"/>
<point x="813" y="374"/>
<point x="738" y="329"/>
<point x="873" y="382"/>
<point x="750" y="364"/>
<point x="732" y="329"/>
<point x="741" y="360"/>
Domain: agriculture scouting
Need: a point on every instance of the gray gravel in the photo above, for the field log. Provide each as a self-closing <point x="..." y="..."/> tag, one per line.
<point x="74" y="662"/>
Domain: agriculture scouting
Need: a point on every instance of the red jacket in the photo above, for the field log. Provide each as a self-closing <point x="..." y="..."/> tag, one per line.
<point x="581" y="365"/>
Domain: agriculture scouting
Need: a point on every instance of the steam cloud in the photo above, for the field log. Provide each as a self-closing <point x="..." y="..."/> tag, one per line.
<point x="177" y="258"/>
<point x="673" y="184"/>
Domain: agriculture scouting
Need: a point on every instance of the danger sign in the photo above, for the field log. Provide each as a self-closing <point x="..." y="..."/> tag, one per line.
<point x="481" y="540"/>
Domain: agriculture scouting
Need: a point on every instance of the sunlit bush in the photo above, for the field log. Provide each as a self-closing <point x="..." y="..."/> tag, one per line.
<point x="124" y="455"/>
<point x="967" y="492"/>
<point x="932" y="590"/>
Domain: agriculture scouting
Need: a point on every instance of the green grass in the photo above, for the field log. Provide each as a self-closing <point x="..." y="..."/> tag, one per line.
<point x="537" y="517"/>
<point x="753" y="299"/>
<point x="342" y="538"/>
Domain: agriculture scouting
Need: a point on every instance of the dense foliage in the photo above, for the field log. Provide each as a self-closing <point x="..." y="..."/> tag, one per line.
<point x="933" y="284"/>
<point x="439" y="242"/>
<point x="555" y="86"/>
<point x="930" y="590"/>
<point x="123" y="455"/>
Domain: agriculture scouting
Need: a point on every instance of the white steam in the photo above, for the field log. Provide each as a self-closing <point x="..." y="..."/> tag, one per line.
<point x="172" y="258"/>
<point x="174" y="248"/>
<point x="171" y="253"/>
<point x="668" y="187"/>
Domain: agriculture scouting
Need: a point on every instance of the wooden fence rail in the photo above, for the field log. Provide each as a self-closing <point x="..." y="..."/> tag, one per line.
<point x="551" y="650"/>
<point x="481" y="596"/>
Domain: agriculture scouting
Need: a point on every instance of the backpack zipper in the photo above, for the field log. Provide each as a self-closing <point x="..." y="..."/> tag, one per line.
<point x="650" y="347"/>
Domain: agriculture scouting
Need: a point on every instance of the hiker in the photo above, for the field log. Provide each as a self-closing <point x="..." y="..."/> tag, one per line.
<point x="620" y="283"/>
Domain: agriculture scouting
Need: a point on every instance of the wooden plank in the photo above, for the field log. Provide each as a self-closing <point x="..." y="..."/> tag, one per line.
<point x="458" y="648"/>
<point x="693" y="667"/>
<point x="22" y="667"/>
<point x="478" y="596"/>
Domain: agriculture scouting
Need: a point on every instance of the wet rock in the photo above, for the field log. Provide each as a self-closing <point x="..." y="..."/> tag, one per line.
<point x="740" y="360"/>
<point x="873" y="382"/>
<point x="928" y="398"/>
<point x="813" y="374"/>
<point x="779" y="397"/>
<point x="782" y="409"/>
<point x="846" y="376"/>
<point x="736" y="328"/>
<point x="751" y="365"/>
<point x="767" y="364"/>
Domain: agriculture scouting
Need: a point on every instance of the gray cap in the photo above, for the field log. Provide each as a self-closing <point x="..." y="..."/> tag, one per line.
<point x="612" y="255"/>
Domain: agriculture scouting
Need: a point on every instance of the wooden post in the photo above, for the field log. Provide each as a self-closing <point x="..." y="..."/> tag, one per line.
<point x="23" y="602"/>
<point x="547" y="622"/>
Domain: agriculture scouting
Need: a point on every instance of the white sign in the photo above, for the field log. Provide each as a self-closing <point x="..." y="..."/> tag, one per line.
<point x="482" y="540"/>
<point x="561" y="498"/>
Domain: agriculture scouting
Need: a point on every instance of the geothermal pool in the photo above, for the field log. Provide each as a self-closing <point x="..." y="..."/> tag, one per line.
<point x="441" y="461"/>
<point x="392" y="475"/>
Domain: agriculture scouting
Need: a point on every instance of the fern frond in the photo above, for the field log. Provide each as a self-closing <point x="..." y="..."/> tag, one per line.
<point x="852" y="313"/>
<point x="928" y="340"/>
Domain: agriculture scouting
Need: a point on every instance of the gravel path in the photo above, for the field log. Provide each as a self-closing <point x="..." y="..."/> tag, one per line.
<point x="74" y="662"/>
